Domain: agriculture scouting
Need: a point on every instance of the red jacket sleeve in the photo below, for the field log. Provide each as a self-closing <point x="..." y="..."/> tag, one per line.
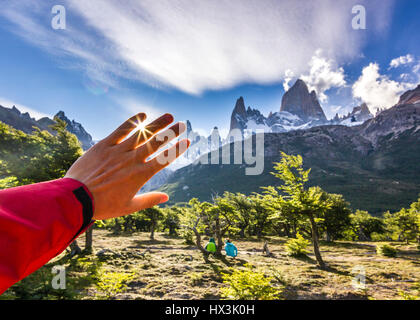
<point x="37" y="222"/>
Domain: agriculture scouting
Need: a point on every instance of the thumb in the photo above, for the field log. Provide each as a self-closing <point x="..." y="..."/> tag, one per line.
<point x="147" y="200"/>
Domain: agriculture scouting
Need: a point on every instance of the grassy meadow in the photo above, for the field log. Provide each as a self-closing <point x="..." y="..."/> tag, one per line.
<point x="135" y="267"/>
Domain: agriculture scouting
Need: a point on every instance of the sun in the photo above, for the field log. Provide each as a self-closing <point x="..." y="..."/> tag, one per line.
<point x="140" y="131"/>
<point x="140" y="126"/>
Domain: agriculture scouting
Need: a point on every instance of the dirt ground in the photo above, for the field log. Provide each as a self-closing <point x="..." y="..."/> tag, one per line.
<point x="167" y="268"/>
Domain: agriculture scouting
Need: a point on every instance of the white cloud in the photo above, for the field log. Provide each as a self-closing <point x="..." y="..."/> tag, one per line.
<point x="288" y="76"/>
<point x="22" y="108"/>
<point x="404" y="76"/>
<point x="207" y="45"/>
<point x="416" y="68"/>
<point x="323" y="75"/>
<point x="401" y="61"/>
<point x="378" y="91"/>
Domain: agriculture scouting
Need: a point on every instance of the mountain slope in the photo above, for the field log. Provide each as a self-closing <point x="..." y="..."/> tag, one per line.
<point x="77" y="129"/>
<point x="23" y="121"/>
<point x="358" y="116"/>
<point x="374" y="165"/>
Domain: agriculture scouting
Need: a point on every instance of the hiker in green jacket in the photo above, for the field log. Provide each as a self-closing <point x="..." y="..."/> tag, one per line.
<point x="211" y="245"/>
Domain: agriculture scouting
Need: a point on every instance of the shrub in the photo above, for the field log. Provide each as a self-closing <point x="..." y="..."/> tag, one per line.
<point x="81" y="272"/>
<point x="247" y="284"/>
<point x="407" y="296"/>
<point x="112" y="283"/>
<point x="379" y="236"/>
<point x="196" y="278"/>
<point x="188" y="236"/>
<point x="278" y="275"/>
<point x="38" y="286"/>
<point x="297" y="247"/>
<point x="386" y="250"/>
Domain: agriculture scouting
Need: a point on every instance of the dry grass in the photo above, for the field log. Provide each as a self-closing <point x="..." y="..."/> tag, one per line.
<point x="168" y="269"/>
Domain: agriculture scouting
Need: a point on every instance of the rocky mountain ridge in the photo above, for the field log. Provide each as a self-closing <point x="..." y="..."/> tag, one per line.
<point x="297" y="100"/>
<point x="77" y="129"/>
<point x="358" y="116"/>
<point x="300" y="109"/>
<point x="375" y="165"/>
<point x="24" y="122"/>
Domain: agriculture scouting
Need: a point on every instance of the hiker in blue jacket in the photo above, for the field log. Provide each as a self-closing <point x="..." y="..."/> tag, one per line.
<point x="230" y="249"/>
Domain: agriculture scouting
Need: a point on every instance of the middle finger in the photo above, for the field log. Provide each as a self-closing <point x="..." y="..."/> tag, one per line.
<point x="142" y="135"/>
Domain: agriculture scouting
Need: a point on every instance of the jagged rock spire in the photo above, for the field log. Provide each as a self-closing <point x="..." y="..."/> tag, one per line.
<point x="297" y="100"/>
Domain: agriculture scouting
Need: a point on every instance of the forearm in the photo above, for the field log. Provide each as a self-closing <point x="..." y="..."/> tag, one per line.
<point x="37" y="222"/>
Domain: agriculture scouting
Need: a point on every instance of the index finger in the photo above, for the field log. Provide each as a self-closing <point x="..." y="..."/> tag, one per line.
<point x="124" y="130"/>
<point x="142" y="135"/>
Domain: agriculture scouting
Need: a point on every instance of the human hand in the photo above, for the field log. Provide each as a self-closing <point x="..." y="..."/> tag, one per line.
<point x="115" y="169"/>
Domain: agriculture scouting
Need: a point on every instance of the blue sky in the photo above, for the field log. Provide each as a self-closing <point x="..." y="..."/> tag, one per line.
<point x="194" y="59"/>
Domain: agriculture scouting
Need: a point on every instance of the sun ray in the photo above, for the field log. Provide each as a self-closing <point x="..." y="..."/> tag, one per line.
<point x="141" y="131"/>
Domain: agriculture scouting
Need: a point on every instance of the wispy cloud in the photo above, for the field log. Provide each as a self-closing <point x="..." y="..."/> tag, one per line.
<point x="403" y="60"/>
<point x="195" y="46"/>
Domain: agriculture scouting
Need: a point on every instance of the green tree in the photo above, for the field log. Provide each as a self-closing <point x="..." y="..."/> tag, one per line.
<point x="283" y="219"/>
<point x="215" y="219"/>
<point x="153" y="215"/>
<point x="415" y="206"/>
<point x="262" y="212"/>
<point x="363" y="225"/>
<point x="305" y="201"/>
<point x="415" y="210"/>
<point x="220" y="218"/>
<point x="404" y="223"/>
<point x="336" y="218"/>
<point x="243" y="206"/>
<point x="40" y="156"/>
<point x="171" y="220"/>
<point x="193" y="220"/>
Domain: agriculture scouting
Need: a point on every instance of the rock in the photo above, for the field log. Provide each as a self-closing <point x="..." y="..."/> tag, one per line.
<point x="410" y="97"/>
<point x="195" y="148"/>
<point x="299" y="108"/>
<point x="359" y="115"/>
<point x="249" y="118"/>
<point x="238" y="115"/>
<point x="297" y="100"/>
<point x="77" y="129"/>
